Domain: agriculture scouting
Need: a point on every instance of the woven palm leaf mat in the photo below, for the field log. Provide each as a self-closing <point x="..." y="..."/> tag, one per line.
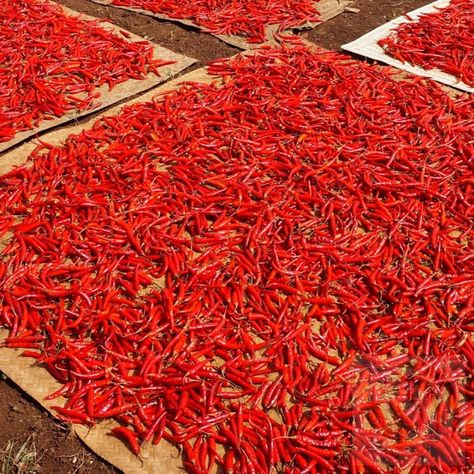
<point x="327" y="9"/>
<point x="38" y="383"/>
<point x="126" y="89"/>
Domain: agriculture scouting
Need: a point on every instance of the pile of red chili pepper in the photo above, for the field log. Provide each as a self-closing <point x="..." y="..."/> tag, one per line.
<point x="440" y="40"/>
<point x="248" y="18"/>
<point x="52" y="63"/>
<point x="274" y="271"/>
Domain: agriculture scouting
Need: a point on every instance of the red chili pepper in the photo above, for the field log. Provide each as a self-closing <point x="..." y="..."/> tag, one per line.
<point x="128" y="436"/>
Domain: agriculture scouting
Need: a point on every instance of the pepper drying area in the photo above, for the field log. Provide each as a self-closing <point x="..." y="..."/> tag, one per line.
<point x="58" y="65"/>
<point x="263" y="265"/>
<point x="417" y="42"/>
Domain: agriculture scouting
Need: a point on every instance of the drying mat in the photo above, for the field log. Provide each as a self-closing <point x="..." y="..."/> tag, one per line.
<point x="38" y="383"/>
<point x="367" y="46"/>
<point x="120" y="91"/>
<point x="327" y="9"/>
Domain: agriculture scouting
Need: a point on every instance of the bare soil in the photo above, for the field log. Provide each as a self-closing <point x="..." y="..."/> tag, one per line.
<point x="50" y="447"/>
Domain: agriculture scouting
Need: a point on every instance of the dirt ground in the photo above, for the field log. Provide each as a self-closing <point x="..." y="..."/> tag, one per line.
<point x="30" y="440"/>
